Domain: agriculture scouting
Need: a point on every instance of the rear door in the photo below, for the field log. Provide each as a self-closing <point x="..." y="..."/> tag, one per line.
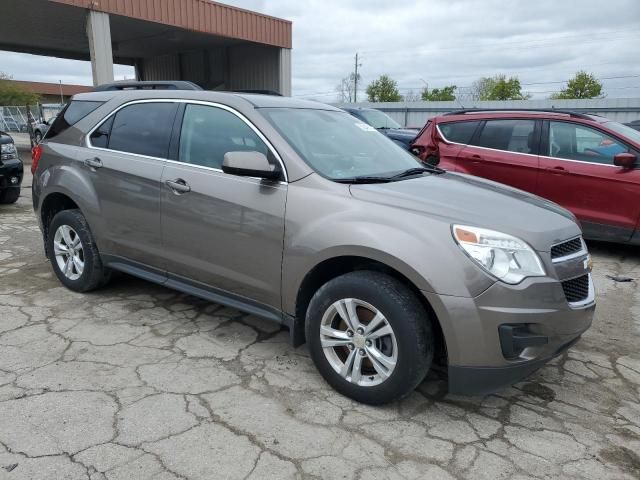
<point x="504" y="150"/>
<point x="128" y="152"/>
<point x="577" y="171"/>
<point x="222" y="232"/>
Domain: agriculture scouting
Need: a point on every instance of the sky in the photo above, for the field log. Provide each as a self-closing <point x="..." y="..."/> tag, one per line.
<point x="432" y="42"/>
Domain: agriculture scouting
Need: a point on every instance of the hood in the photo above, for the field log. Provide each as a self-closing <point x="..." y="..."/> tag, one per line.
<point x="401" y="133"/>
<point x="473" y="201"/>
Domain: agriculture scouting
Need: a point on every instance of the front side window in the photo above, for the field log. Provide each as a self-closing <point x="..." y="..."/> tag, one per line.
<point x="141" y="128"/>
<point x="338" y="145"/>
<point x="572" y="141"/>
<point x="458" y="132"/>
<point x="509" y="135"/>
<point x="210" y="132"/>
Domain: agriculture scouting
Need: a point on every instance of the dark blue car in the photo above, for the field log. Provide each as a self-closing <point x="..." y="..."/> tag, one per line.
<point x="386" y="125"/>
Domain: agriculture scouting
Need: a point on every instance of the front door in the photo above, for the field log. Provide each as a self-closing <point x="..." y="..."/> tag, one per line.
<point x="222" y="232"/>
<point x="504" y="151"/>
<point x="577" y="172"/>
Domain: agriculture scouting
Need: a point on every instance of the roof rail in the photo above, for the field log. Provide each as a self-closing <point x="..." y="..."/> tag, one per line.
<point x="148" y="85"/>
<point x="584" y="116"/>
<point x="258" y="92"/>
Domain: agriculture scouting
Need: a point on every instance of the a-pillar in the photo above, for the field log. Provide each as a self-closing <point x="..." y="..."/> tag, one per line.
<point x="99" y="35"/>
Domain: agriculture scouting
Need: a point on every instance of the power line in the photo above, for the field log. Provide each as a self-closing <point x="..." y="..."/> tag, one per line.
<point x="402" y="89"/>
<point x="529" y="43"/>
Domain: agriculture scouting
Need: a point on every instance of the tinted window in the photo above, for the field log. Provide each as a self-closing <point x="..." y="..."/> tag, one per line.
<point x="209" y="132"/>
<point x="509" y="135"/>
<point x="458" y="132"/>
<point x="70" y="115"/>
<point x="100" y="136"/>
<point x="577" y="142"/>
<point x="143" y="128"/>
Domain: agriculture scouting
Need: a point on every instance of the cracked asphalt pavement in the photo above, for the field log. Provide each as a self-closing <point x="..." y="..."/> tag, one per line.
<point x="135" y="381"/>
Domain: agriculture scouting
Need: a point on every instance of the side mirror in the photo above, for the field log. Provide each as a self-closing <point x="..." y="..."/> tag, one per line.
<point x="625" y="160"/>
<point x="249" y="164"/>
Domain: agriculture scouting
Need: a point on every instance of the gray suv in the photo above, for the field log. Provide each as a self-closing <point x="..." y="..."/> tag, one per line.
<point x="304" y="215"/>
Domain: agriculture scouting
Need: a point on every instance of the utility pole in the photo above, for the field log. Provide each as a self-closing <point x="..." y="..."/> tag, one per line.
<point x="61" y="96"/>
<point x="355" y="81"/>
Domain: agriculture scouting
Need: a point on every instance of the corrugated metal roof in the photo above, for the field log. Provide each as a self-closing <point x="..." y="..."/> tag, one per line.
<point x="198" y="15"/>
<point x="52" y="88"/>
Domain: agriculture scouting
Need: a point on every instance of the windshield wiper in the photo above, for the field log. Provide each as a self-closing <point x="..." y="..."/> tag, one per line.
<point x="416" y="171"/>
<point x="363" y="179"/>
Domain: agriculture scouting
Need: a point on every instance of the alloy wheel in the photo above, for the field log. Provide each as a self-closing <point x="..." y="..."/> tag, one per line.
<point x="69" y="252"/>
<point x="358" y="342"/>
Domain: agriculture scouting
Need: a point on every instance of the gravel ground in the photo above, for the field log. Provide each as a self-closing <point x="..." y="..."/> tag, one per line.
<point x="136" y="381"/>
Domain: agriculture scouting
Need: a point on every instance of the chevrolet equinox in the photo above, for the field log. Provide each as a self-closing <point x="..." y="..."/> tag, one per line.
<point x="300" y="213"/>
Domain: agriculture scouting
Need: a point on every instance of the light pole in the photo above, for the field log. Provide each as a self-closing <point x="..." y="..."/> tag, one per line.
<point x="61" y="96"/>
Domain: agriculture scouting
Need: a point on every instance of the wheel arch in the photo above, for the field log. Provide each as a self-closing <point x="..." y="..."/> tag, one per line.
<point x="333" y="267"/>
<point x="52" y="204"/>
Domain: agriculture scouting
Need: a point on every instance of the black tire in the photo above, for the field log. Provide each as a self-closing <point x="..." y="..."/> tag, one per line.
<point x="94" y="274"/>
<point x="9" y="195"/>
<point x="404" y="313"/>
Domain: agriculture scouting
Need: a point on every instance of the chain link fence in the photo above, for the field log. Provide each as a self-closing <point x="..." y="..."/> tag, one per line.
<point x="27" y="124"/>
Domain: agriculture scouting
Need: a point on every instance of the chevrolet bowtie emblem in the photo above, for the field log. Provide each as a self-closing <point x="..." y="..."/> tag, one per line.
<point x="588" y="263"/>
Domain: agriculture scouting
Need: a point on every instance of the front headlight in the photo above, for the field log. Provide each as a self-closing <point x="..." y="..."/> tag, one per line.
<point x="7" y="151"/>
<point x="505" y="257"/>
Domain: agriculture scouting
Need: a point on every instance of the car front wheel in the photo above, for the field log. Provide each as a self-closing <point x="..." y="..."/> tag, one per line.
<point x="9" y="195"/>
<point x="369" y="336"/>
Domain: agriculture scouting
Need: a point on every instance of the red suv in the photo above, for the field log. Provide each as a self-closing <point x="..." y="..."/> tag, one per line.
<point x="585" y="163"/>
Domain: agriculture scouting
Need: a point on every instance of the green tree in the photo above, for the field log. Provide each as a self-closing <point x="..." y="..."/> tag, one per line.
<point x="444" y="94"/>
<point x="384" y="89"/>
<point x="582" y="85"/>
<point x="498" y="87"/>
<point x="13" y="94"/>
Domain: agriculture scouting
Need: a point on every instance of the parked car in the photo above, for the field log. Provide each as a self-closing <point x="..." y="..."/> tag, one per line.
<point x="635" y="124"/>
<point x="40" y="129"/>
<point x="586" y="163"/>
<point x="292" y="211"/>
<point x="11" y="170"/>
<point x="385" y="125"/>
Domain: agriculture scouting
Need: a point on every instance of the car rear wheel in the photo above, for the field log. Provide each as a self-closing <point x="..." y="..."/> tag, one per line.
<point x="9" y="195"/>
<point x="73" y="253"/>
<point x="369" y="336"/>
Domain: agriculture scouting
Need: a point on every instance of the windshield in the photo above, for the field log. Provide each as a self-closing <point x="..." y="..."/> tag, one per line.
<point x="338" y="145"/>
<point x="628" y="132"/>
<point x="378" y="119"/>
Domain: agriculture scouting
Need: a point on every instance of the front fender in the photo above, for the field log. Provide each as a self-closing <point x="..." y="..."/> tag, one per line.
<point x="418" y="246"/>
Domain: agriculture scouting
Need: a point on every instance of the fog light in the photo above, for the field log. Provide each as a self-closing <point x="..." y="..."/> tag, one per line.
<point x="13" y="180"/>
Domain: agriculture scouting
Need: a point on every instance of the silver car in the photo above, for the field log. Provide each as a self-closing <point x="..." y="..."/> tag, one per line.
<point x="304" y="215"/>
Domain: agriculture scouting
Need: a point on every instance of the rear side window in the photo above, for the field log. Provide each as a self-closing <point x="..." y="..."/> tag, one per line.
<point x="70" y="115"/>
<point x="509" y="135"/>
<point x="458" y="132"/>
<point x="141" y="128"/>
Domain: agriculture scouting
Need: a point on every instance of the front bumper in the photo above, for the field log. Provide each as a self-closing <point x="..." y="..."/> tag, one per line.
<point x="537" y="324"/>
<point x="9" y="170"/>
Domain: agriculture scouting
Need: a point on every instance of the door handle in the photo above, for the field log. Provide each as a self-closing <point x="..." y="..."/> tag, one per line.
<point x="476" y="159"/>
<point x="178" y="186"/>
<point x="558" y="170"/>
<point x="93" y="163"/>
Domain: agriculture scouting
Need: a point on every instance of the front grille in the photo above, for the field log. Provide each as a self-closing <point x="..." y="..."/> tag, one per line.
<point x="576" y="289"/>
<point x="566" y="248"/>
